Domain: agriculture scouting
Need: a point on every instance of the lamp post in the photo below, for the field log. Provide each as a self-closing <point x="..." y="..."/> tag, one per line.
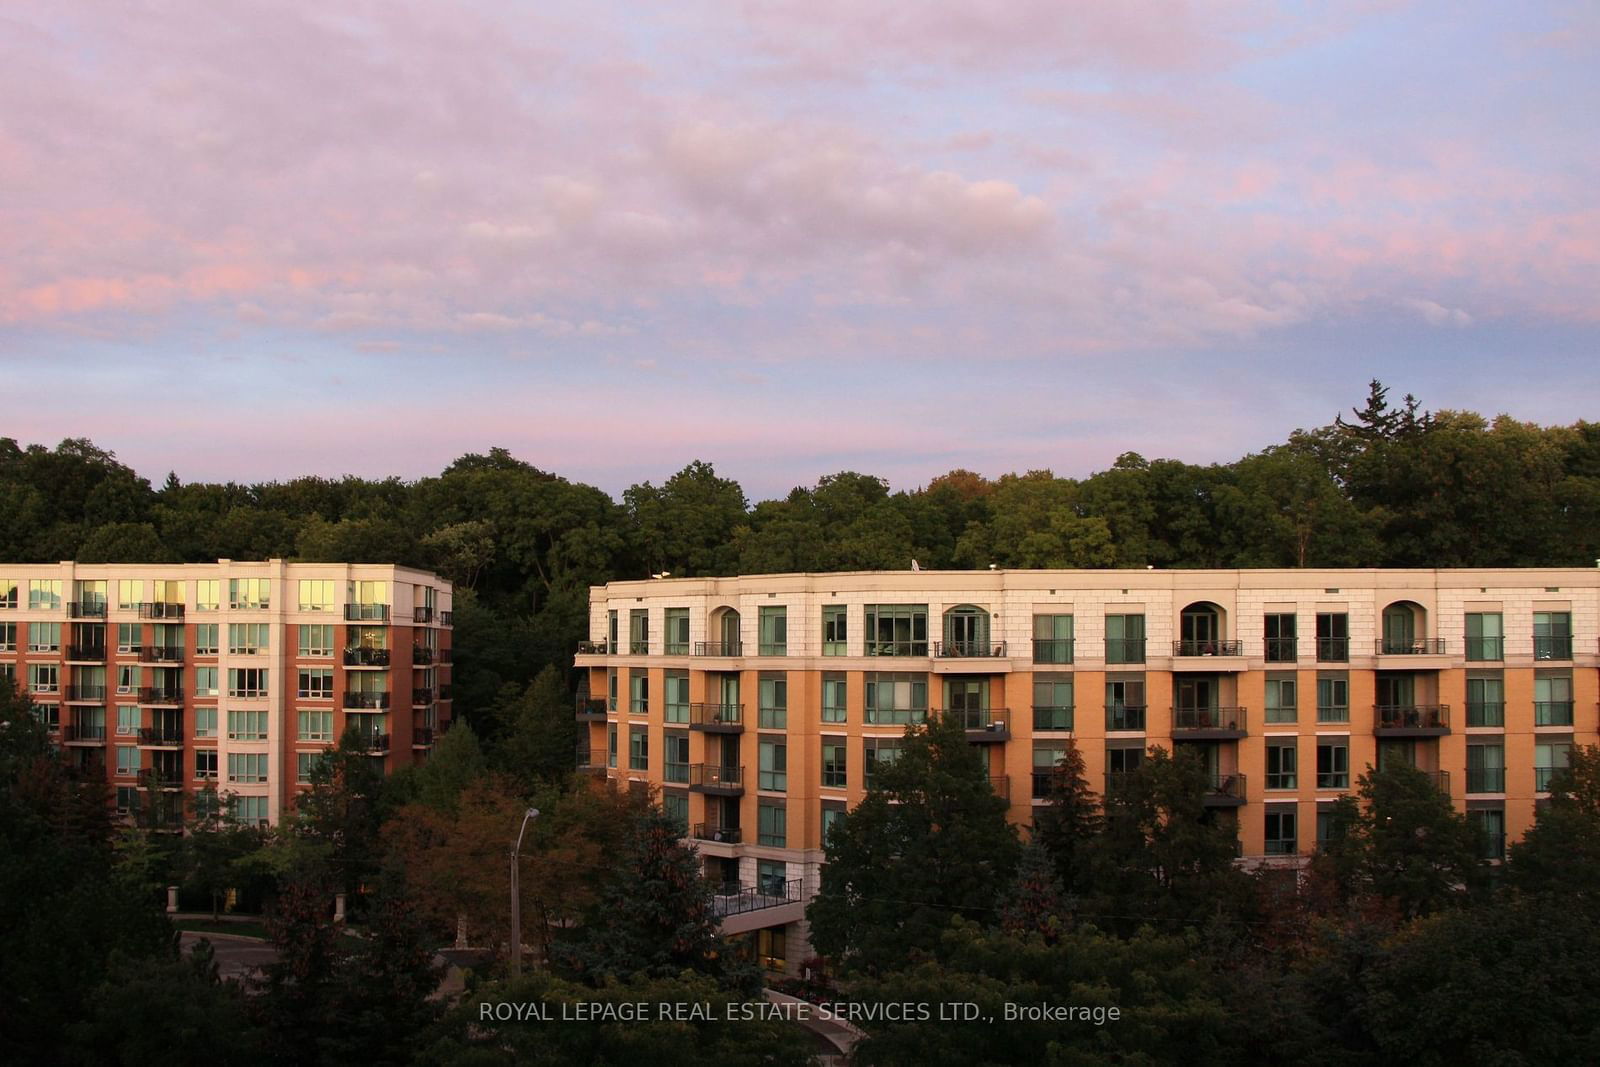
<point x="516" y="896"/>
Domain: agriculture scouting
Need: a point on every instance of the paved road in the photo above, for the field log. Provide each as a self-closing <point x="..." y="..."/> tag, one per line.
<point x="237" y="956"/>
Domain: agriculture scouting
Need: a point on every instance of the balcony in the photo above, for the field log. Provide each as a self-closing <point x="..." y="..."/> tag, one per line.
<point x="1486" y="779"/>
<point x="86" y="653"/>
<point x="714" y="778"/>
<point x="367" y="701"/>
<point x="734" y="899"/>
<point x="1208" y="648"/>
<point x="84" y="694"/>
<point x="591" y="760"/>
<point x="591" y="711"/>
<point x="1416" y="646"/>
<point x="1552" y="647"/>
<point x="373" y="744"/>
<point x="161" y="654"/>
<point x="1282" y="649"/>
<point x="161" y="737"/>
<point x="80" y="734"/>
<point x="86" y="610"/>
<point x="1053" y="650"/>
<point x="591" y="648"/>
<point x="1411" y="720"/>
<point x="160" y="611"/>
<point x="447" y="618"/>
<point x="444" y="693"/>
<point x="1051" y="718"/>
<point x="1486" y="649"/>
<point x="1218" y="723"/>
<point x="421" y="697"/>
<point x="1440" y="780"/>
<point x="722" y="835"/>
<point x="1225" y="791"/>
<point x="1333" y="650"/>
<point x="421" y="657"/>
<point x="1000" y="786"/>
<point x="366" y="613"/>
<point x="719" y="649"/>
<point x="421" y="737"/>
<point x="1552" y="713"/>
<point x="154" y="695"/>
<point x="1128" y="718"/>
<point x="422" y="615"/>
<point x="363" y="656"/>
<point x="984" y="726"/>
<point x="717" y="718"/>
<point x="969" y="649"/>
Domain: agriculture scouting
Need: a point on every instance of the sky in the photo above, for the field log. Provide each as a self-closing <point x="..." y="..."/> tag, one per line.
<point x="253" y="240"/>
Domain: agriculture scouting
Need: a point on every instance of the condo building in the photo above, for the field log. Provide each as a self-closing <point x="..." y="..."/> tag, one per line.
<point x="759" y="705"/>
<point x="183" y="684"/>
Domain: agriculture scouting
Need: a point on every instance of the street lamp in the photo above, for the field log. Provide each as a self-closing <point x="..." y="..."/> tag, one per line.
<point x="516" y="897"/>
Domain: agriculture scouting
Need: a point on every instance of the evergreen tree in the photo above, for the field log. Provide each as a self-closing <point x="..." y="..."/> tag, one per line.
<point x="1068" y="823"/>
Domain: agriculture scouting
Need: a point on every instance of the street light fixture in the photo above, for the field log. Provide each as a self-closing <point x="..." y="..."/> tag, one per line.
<point x="516" y="896"/>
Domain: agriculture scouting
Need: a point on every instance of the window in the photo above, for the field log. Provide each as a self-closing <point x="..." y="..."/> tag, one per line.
<point x="639" y="632"/>
<point x="306" y="763"/>
<point x="1330" y="826"/>
<point x="8" y="594"/>
<point x="677" y="635"/>
<point x="897" y="629"/>
<point x="1333" y="637"/>
<point x="91" y="723"/>
<point x="638" y="693"/>
<point x="1046" y="755"/>
<point x="249" y="811"/>
<point x="248" y="682"/>
<point x="127" y="799"/>
<point x="1124" y="638"/>
<point x="611" y="690"/>
<point x="316" y="641"/>
<point x="1052" y="703"/>
<point x="247" y="768"/>
<point x="44" y="594"/>
<point x="611" y="745"/>
<point x="1552" y="635"/>
<point x="1333" y="698"/>
<point x="1282" y="645"/>
<point x="49" y="715"/>
<point x="1052" y="639"/>
<point x="205" y="681"/>
<point x="127" y="760"/>
<point x="252" y="594"/>
<point x="127" y="719"/>
<point x="130" y="594"/>
<point x="1548" y="758"/>
<point x="366" y="600"/>
<point x="773" y="637"/>
<point x="1489" y="824"/>
<point x="91" y="598"/>
<point x="834" y="763"/>
<point x="205" y="639"/>
<point x="1123" y="759"/>
<point x="205" y="763"/>
<point x="1486" y="702"/>
<point x="1485" y="639"/>
<point x="772" y="948"/>
<point x="677" y="696"/>
<point x="896" y="699"/>
<point x="833" y="698"/>
<point x="834" y="630"/>
<point x="774" y="765"/>
<point x="1281" y="705"/>
<point x="316" y="594"/>
<point x="611" y="632"/>
<point x="774" y="713"/>
<point x="877" y="751"/>
<point x="772" y="823"/>
<point x="1125" y="704"/>
<point x="677" y="757"/>
<point x="207" y="595"/>
<point x="127" y="678"/>
<point x="675" y="802"/>
<point x="1552" y="698"/>
<point x="247" y="726"/>
<point x="1282" y="763"/>
<point x="205" y="722"/>
<point x="832" y="814"/>
<point x="314" y="725"/>
<point x="315" y="684"/>
<point x="248" y="638"/>
<point x="1333" y="764"/>
<point x="44" y="678"/>
<point x="1280" y="831"/>
<point x="8" y="637"/>
<point x="772" y="877"/>
<point x="130" y="637"/>
<point x="639" y="748"/>
<point x="44" y="637"/>
<point x="1486" y="768"/>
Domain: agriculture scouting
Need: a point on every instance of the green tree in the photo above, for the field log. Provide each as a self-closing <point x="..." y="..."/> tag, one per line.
<point x="342" y="813"/>
<point x="1411" y="846"/>
<point x="541" y="733"/>
<point x="687" y="525"/>
<point x="1068" y="824"/>
<point x="1560" y="853"/>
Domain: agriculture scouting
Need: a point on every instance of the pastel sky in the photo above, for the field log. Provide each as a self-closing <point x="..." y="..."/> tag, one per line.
<point x="249" y="240"/>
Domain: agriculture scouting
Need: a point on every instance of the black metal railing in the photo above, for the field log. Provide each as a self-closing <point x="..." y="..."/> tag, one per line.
<point x="587" y="756"/>
<point x="421" y="736"/>
<point x="1552" y="713"/>
<point x="1486" y="649"/>
<point x="715" y="776"/>
<point x="1411" y="716"/>
<point x="74" y="731"/>
<point x="1208" y="648"/>
<point x="1125" y="717"/>
<point x="87" y="653"/>
<point x="421" y="614"/>
<point x="725" y="835"/>
<point x="981" y="718"/>
<point x="1333" y="650"/>
<point x="158" y="695"/>
<point x="161" y="735"/>
<point x="969" y="649"/>
<point x="735" y="899"/>
<point x="591" y="710"/>
<point x="86" y="610"/>
<point x="159" y="610"/>
<point x="447" y="618"/>
<point x="84" y="693"/>
<point x="372" y="701"/>
<point x="421" y="696"/>
<point x="1000" y="785"/>
<point x="420" y="656"/>
<point x="896" y="648"/>
<point x="161" y="654"/>
<point x="1440" y="780"/>
<point x="1218" y="718"/>
<point x="1415" y="646"/>
<point x="362" y="656"/>
<point x="1486" y="713"/>
<point x="1227" y="787"/>
<point x="373" y="743"/>
<point x="715" y="715"/>
<point x="1053" y="649"/>
<point x="591" y="648"/>
<point x="1125" y="649"/>
<point x="1282" y="649"/>
<point x="1486" y="779"/>
<point x="1052" y="718"/>
<point x="719" y="648"/>
<point x="1556" y="647"/>
<point x="366" y="613"/>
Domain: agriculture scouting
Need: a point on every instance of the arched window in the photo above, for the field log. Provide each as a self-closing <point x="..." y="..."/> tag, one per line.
<point x="966" y="632"/>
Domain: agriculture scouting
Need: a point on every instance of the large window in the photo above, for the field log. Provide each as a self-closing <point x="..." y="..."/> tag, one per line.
<point x="1052" y="703"/>
<point x="250" y="594"/>
<point x="205" y="722"/>
<point x="639" y="632"/>
<point x="1283" y="764"/>
<point x="774" y="759"/>
<point x="316" y="594"/>
<point x="1333" y="697"/>
<point x="1486" y="768"/>
<point x="315" y="726"/>
<point x="677" y="632"/>
<point x="249" y="638"/>
<point x="247" y="726"/>
<point x="1485" y="638"/>
<point x="639" y="748"/>
<point x="611" y="745"/>
<point x="677" y="757"/>
<point x="44" y="678"/>
<point x="44" y="594"/>
<point x="247" y="768"/>
<point x="677" y="696"/>
<point x="1552" y="698"/>
<point x="1333" y="763"/>
<point x="205" y="765"/>
<point x="1046" y="756"/>
<point x="1280" y="835"/>
<point x="1489" y="825"/>
<point x="1548" y="758"/>
<point x="877" y="751"/>
<point x="896" y="699"/>
<point x="1486" y="700"/>
<point x="772" y="823"/>
<point x="130" y="594"/>
<point x="675" y="803"/>
<point x="1333" y="637"/>
<point x="315" y="683"/>
<point x="773" y="639"/>
<point x="834" y="763"/>
<point x="316" y="641"/>
<point x="306" y="764"/>
<point x="1282" y="698"/>
<point x="1124" y="638"/>
<point x="130" y="637"/>
<point x="1282" y="642"/>
<point x="833" y="698"/>
<point x="8" y="594"/>
<point x="127" y="760"/>
<point x="247" y="682"/>
<point x="1552" y="635"/>
<point x="897" y="629"/>
<point x="1052" y="639"/>
<point x="205" y="681"/>
<point x="8" y="637"/>
<point x="208" y="594"/>
<point x="774" y="695"/>
<point x="44" y="637"/>
<point x="206" y="639"/>
<point x="1125" y="704"/>
<point x="638" y="693"/>
<point x="834" y="630"/>
<point x="248" y="811"/>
